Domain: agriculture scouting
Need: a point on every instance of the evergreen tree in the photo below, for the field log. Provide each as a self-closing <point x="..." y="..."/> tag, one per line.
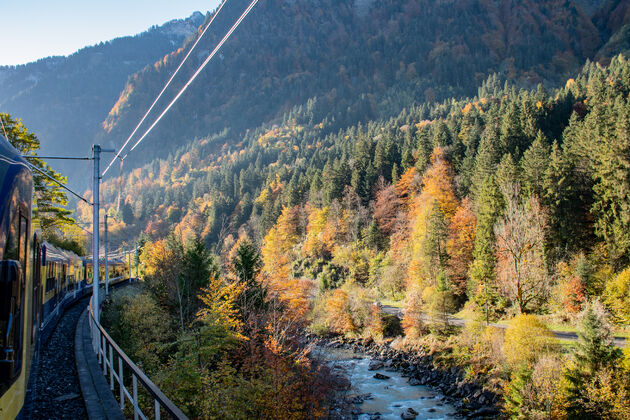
<point x="507" y="172"/>
<point x="486" y="160"/>
<point x="594" y="352"/>
<point x="198" y="266"/>
<point x="534" y="166"/>
<point x="612" y="187"/>
<point x="482" y="287"/>
<point x="245" y="266"/>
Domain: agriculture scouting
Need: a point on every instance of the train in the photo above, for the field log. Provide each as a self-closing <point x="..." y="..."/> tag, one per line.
<point x="38" y="280"/>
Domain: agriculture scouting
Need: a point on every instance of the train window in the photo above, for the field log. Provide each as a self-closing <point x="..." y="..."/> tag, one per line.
<point x="11" y="302"/>
<point x="23" y="244"/>
<point x="50" y="276"/>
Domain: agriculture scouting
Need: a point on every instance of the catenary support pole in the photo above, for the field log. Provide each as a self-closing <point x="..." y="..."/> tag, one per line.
<point x="96" y="149"/>
<point x="129" y="248"/>
<point x="106" y="258"/>
<point x="137" y="263"/>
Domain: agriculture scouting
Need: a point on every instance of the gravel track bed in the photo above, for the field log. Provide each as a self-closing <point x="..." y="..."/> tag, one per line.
<point x="56" y="391"/>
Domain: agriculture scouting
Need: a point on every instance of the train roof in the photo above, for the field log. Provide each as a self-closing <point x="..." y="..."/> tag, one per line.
<point x="16" y="189"/>
<point x="12" y="166"/>
<point x="110" y="261"/>
<point x="55" y="254"/>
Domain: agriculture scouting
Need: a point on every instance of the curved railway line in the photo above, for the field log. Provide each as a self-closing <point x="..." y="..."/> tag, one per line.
<point x="54" y="390"/>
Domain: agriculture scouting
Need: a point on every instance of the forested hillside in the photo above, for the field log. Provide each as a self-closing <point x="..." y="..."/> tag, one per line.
<point x="64" y="99"/>
<point x="506" y="204"/>
<point x="467" y="158"/>
<point x="364" y="60"/>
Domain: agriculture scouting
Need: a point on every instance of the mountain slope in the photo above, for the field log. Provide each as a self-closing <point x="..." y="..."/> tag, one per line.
<point x="64" y="99"/>
<point x="363" y="59"/>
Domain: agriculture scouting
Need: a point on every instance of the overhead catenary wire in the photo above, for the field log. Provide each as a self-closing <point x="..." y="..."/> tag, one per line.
<point x="57" y="182"/>
<point x="59" y="157"/>
<point x="164" y="88"/>
<point x="194" y="76"/>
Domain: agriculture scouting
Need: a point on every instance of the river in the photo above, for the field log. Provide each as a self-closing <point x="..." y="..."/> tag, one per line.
<point x="387" y="397"/>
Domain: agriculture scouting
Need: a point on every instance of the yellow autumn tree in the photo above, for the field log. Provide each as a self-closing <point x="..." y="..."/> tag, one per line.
<point x="278" y="251"/>
<point x="318" y="242"/>
<point x="430" y="215"/>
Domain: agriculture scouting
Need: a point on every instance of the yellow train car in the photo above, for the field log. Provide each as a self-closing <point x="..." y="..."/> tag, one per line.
<point x="16" y="279"/>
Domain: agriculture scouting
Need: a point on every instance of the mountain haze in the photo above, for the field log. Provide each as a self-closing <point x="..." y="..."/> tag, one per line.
<point x="64" y="99"/>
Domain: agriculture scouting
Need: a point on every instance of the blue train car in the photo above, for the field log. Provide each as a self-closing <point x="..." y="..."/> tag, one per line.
<point x="17" y="288"/>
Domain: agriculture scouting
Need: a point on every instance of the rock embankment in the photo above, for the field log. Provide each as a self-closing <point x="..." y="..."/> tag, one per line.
<point x="467" y="396"/>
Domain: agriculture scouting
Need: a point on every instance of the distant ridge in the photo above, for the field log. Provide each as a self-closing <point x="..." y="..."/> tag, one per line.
<point x="64" y="99"/>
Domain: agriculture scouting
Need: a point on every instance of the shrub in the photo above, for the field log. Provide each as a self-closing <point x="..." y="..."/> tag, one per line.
<point x="413" y="323"/>
<point x="338" y="312"/>
<point x="618" y="296"/>
<point x="392" y="326"/>
<point x="526" y="339"/>
<point x="537" y="393"/>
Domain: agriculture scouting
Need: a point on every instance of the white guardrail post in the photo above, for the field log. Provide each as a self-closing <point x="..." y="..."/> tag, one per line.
<point x="101" y="341"/>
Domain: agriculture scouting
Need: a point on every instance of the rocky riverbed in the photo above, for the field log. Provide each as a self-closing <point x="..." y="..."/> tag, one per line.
<point x="429" y="392"/>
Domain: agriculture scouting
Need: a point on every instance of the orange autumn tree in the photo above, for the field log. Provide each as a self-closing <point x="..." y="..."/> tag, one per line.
<point x="319" y="237"/>
<point x="278" y="251"/>
<point x="407" y="186"/>
<point x="461" y="241"/>
<point x="429" y="217"/>
<point x="430" y="212"/>
<point x="387" y="208"/>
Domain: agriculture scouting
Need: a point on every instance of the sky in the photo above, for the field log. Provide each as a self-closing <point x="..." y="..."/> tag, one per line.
<point x="33" y="29"/>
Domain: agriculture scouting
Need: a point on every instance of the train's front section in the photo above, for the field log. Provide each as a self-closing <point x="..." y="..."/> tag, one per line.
<point x="16" y="188"/>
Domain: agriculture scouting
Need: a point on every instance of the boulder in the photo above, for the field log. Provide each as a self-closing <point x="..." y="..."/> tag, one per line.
<point x="409" y="414"/>
<point x="381" y="376"/>
<point x="375" y="365"/>
<point x="485" y="412"/>
<point x="415" y="382"/>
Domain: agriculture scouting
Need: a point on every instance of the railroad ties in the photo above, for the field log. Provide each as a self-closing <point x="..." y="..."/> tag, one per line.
<point x="54" y="391"/>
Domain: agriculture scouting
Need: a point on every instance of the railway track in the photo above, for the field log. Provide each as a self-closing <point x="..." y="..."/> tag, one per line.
<point x="54" y="391"/>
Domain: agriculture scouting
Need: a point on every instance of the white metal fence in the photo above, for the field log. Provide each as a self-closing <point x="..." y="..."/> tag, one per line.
<point x="107" y="350"/>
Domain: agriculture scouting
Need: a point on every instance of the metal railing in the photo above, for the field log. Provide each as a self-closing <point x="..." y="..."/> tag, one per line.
<point x="106" y="349"/>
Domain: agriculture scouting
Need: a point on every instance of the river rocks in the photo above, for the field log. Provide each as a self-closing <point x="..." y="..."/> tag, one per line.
<point x="409" y="414"/>
<point x="414" y="382"/>
<point x="375" y="365"/>
<point x="359" y="399"/>
<point x="485" y="412"/>
<point x="467" y="396"/>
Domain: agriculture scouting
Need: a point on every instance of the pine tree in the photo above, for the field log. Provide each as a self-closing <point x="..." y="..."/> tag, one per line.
<point x="594" y="352"/>
<point x="245" y="267"/>
<point x="489" y="204"/>
<point x="486" y="161"/>
<point x="534" y="166"/>
<point x="612" y="188"/>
